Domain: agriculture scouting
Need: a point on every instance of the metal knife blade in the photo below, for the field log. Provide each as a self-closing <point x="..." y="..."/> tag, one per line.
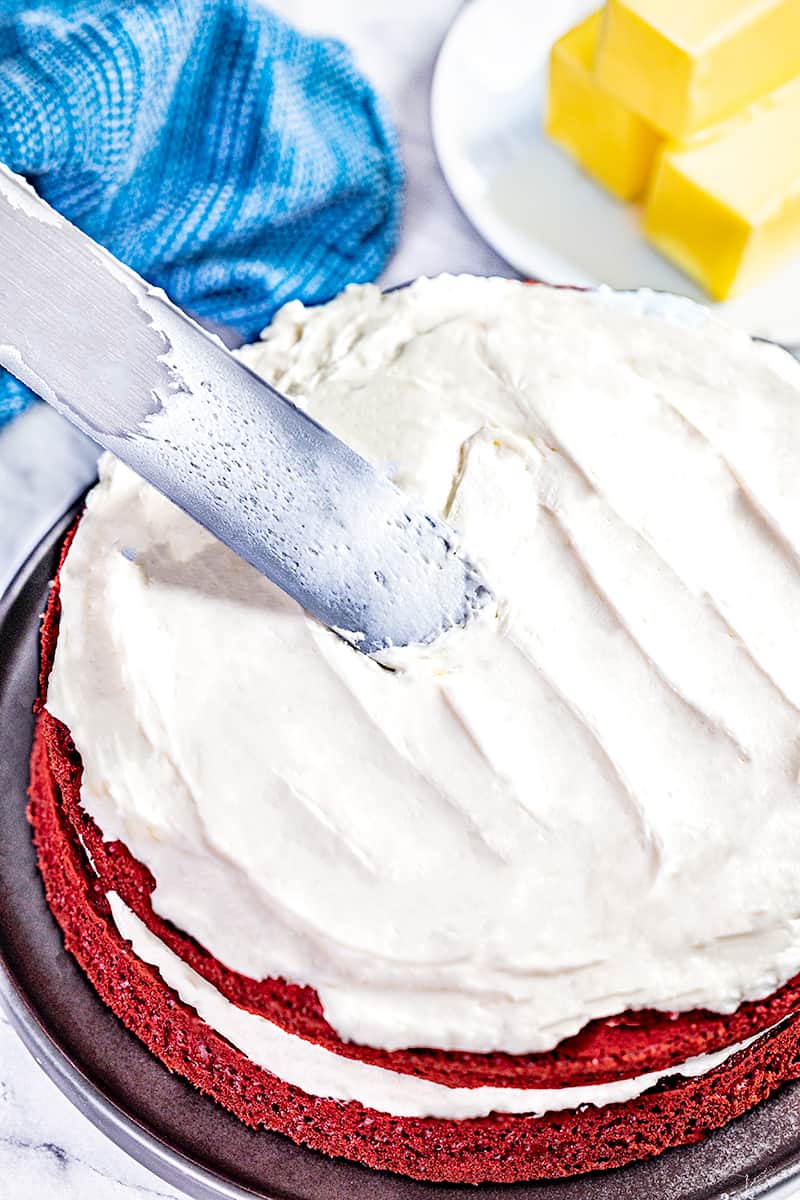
<point x="126" y="366"/>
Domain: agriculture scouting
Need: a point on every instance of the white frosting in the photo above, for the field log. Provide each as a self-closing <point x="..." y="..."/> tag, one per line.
<point x="319" y="1072"/>
<point x="585" y="803"/>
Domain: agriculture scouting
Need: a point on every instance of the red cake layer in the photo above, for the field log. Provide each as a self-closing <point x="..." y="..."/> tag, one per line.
<point x="621" y="1046"/>
<point x="499" y="1148"/>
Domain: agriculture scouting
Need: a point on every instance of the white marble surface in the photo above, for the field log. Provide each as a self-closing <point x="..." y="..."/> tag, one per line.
<point x="48" y="1150"/>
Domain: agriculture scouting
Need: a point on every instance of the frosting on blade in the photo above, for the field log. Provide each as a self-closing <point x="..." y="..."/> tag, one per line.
<point x="586" y="801"/>
<point x="322" y="1073"/>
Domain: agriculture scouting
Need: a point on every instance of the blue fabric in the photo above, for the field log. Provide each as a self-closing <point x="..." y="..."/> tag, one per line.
<point x="220" y="153"/>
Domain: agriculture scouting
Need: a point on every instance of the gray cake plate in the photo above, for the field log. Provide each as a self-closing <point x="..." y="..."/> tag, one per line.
<point x="186" y="1138"/>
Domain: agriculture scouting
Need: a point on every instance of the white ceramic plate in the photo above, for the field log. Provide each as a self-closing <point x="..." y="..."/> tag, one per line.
<point x="525" y="196"/>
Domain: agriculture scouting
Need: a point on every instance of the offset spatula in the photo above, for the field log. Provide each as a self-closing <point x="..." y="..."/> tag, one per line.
<point x="141" y="378"/>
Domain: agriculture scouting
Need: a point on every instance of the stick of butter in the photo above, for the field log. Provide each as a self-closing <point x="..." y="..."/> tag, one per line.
<point x="686" y="64"/>
<point x="726" y="208"/>
<point x="608" y="141"/>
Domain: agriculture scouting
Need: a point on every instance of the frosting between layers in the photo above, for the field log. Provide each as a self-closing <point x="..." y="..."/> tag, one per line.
<point x="319" y="1072"/>
<point x="585" y="802"/>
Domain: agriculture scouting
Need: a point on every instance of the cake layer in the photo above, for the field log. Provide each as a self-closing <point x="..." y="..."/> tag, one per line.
<point x="540" y="821"/>
<point x="623" y="1049"/>
<point x="321" y="1073"/>
<point x="627" y="1045"/>
<point x="499" y="1148"/>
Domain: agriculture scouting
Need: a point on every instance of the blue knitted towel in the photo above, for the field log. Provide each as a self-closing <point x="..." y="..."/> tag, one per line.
<point x="213" y="148"/>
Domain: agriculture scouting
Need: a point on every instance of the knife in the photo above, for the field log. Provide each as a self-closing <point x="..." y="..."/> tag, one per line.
<point x="140" y="377"/>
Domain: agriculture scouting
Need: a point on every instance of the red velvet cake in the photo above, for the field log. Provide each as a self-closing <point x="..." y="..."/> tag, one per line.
<point x="175" y="773"/>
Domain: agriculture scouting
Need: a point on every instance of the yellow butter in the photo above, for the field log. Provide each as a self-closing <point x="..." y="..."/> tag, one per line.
<point x="610" y="142"/>
<point x="686" y="64"/>
<point x="727" y="208"/>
